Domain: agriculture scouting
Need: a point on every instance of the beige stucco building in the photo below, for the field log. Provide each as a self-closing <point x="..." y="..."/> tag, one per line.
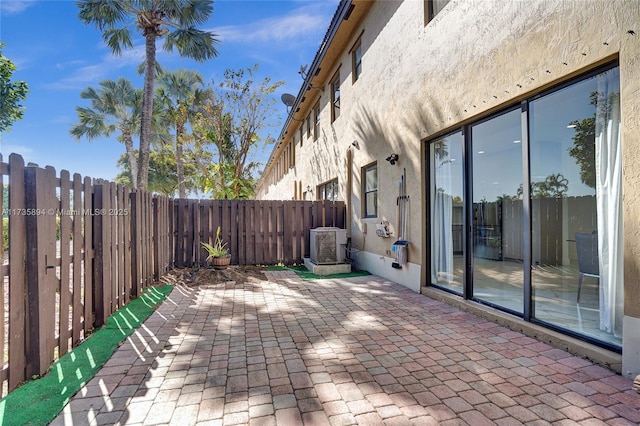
<point x="515" y="125"/>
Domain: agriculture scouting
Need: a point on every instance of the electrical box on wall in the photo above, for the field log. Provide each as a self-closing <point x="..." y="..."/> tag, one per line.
<point x="382" y="230"/>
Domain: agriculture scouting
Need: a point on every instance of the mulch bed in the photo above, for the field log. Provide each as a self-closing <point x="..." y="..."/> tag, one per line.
<point x="195" y="277"/>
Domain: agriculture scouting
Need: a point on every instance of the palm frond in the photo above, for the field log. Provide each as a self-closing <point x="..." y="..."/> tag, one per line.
<point x="103" y="13"/>
<point x="117" y="38"/>
<point x="192" y="43"/>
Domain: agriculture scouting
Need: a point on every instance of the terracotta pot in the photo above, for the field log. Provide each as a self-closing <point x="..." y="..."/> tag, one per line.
<point x="220" y="262"/>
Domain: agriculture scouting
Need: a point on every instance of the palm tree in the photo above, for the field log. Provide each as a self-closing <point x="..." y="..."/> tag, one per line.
<point x="174" y="20"/>
<point x="232" y="118"/>
<point x="180" y="91"/>
<point x="114" y="106"/>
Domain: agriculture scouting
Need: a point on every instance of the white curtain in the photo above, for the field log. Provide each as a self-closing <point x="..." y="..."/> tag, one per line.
<point x="609" y="202"/>
<point x="442" y="238"/>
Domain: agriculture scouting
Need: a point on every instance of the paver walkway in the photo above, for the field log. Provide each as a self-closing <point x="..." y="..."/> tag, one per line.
<point x="360" y="351"/>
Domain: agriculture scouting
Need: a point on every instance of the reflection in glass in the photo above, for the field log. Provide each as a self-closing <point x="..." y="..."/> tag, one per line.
<point x="446" y="212"/>
<point x="497" y="211"/>
<point x="575" y="196"/>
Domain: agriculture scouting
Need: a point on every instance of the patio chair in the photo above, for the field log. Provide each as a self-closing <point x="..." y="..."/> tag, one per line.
<point x="587" y="247"/>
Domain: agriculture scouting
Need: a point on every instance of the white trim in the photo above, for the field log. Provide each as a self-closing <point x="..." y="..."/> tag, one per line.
<point x="408" y="275"/>
<point x="631" y="347"/>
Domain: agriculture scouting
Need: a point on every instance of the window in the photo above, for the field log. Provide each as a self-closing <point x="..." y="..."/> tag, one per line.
<point x="301" y="131"/>
<point x="432" y="8"/>
<point x="328" y="190"/>
<point x="370" y="190"/>
<point x="335" y="96"/>
<point x="316" y="123"/>
<point x="356" y="60"/>
<point x="309" y="125"/>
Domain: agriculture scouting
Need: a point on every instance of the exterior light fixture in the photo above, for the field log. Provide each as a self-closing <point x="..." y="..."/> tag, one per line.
<point x="392" y="159"/>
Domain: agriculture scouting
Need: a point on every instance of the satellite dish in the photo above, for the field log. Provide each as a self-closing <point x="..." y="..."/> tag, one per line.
<point x="288" y="99"/>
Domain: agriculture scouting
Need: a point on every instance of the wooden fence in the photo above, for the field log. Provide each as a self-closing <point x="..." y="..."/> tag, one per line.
<point x="256" y="232"/>
<point x="79" y="249"/>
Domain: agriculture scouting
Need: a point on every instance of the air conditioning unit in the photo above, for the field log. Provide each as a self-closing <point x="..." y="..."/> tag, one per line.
<point x="328" y="245"/>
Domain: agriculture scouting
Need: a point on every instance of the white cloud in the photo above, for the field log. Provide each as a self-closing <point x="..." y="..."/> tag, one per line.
<point x="7" y="149"/>
<point x="12" y="7"/>
<point x="300" y="23"/>
<point x="83" y="76"/>
<point x="64" y="65"/>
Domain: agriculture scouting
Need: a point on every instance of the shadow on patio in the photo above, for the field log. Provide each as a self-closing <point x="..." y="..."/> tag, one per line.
<point x="346" y="351"/>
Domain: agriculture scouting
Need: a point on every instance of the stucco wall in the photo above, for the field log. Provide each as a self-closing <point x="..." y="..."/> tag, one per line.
<point x="472" y="59"/>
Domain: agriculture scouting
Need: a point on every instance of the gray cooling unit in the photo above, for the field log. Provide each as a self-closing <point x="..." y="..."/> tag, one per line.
<point x="328" y="245"/>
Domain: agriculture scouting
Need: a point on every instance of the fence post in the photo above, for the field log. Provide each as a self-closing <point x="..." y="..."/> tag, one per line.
<point x="17" y="275"/>
<point x="98" y="254"/>
<point x="88" y="256"/>
<point x="134" y="198"/>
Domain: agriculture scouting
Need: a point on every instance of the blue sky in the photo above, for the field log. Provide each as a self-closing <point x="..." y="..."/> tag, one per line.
<point x="58" y="56"/>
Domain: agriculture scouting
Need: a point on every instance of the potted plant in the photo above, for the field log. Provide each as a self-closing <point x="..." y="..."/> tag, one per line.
<point x="219" y="256"/>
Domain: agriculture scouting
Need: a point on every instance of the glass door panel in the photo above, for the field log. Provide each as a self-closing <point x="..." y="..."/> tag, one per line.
<point x="447" y="233"/>
<point x="568" y="127"/>
<point x="497" y="211"/>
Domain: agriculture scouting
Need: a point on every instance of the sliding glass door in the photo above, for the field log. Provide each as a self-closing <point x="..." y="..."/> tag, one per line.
<point x="525" y="209"/>
<point x="497" y="211"/>
<point x="447" y="233"/>
<point x="575" y="200"/>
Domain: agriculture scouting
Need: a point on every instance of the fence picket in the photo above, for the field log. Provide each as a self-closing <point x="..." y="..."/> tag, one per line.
<point x="288" y="231"/>
<point x="259" y="231"/>
<point x="88" y="254"/>
<point x="252" y="228"/>
<point x="76" y="241"/>
<point x="242" y="241"/>
<point x="111" y="298"/>
<point x="125" y="256"/>
<point x="135" y="243"/>
<point x="99" y="255"/>
<point x="17" y="275"/>
<point x="65" y="261"/>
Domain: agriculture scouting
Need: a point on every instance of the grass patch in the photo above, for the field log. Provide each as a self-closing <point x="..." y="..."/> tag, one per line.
<point x="38" y="402"/>
<point x="305" y="274"/>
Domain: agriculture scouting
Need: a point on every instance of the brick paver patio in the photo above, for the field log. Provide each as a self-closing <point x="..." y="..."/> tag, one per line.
<point x="360" y="351"/>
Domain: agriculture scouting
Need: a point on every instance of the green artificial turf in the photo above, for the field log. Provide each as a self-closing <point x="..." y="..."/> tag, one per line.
<point x="39" y="401"/>
<point x="305" y="274"/>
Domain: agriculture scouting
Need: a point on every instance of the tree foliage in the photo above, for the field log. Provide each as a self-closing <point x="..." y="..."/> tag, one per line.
<point x="116" y="106"/>
<point x="181" y="92"/>
<point x="584" y="138"/>
<point x="163" y="178"/>
<point x="12" y="93"/>
<point x="236" y="112"/>
<point x="553" y="186"/>
<point x="174" y="21"/>
<point x="584" y="149"/>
